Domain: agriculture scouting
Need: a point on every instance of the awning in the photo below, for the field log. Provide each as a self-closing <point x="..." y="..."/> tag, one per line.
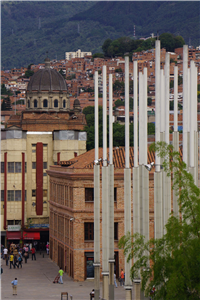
<point x="31" y="235"/>
<point x="13" y="235"/>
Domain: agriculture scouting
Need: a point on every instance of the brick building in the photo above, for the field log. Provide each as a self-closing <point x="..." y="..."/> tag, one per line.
<point x="72" y="212"/>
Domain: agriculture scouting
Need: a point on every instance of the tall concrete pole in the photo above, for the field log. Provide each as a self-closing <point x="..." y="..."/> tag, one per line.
<point x="105" y="207"/>
<point x="96" y="199"/>
<point x="141" y="149"/>
<point x="111" y="193"/>
<point x="166" y="179"/>
<point x="157" y="175"/>
<point x="185" y="103"/>
<point x="136" y="190"/>
<point x="196" y="128"/>
<point x="175" y="135"/>
<point x="127" y="181"/>
<point x="193" y="93"/>
<point x="145" y="172"/>
<point x="162" y="101"/>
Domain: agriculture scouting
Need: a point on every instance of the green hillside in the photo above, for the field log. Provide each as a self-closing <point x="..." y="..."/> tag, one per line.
<point x="30" y="28"/>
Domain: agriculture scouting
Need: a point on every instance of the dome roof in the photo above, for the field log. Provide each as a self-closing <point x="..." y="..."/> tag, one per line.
<point x="47" y="80"/>
<point x="76" y="102"/>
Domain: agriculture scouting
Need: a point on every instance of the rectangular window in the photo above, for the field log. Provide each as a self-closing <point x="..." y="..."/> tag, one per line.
<point x="18" y="167"/>
<point x="2" y="167"/>
<point x="18" y="195"/>
<point x="11" y="167"/>
<point x="44" y="193"/>
<point x="33" y="193"/>
<point x="10" y="195"/>
<point x="89" y="195"/>
<point x="44" y="174"/>
<point x="44" y="145"/>
<point x="34" y="165"/>
<point x="89" y="231"/>
<point x="11" y="222"/>
<point x="2" y="195"/>
<point x="44" y="165"/>
<point x="116" y="231"/>
<point x="115" y="194"/>
<point x="25" y="167"/>
<point x="25" y="196"/>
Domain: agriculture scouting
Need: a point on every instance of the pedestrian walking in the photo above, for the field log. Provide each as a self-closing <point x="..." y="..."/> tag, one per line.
<point x="33" y="253"/>
<point x="20" y="261"/>
<point x="11" y="260"/>
<point x="1" y="271"/>
<point x="14" y="286"/>
<point x="61" y="272"/>
<point x="25" y="257"/>
<point x="122" y="277"/>
<point x="115" y="282"/>
<point x="5" y="253"/>
<point x="16" y="261"/>
<point x="47" y="248"/>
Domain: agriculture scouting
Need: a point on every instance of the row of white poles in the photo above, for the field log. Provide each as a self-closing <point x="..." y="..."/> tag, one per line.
<point x="162" y="183"/>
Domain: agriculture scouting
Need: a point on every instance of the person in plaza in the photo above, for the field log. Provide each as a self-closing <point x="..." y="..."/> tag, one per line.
<point x="26" y="257"/>
<point x="11" y="260"/>
<point x="5" y="253"/>
<point x="61" y="272"/>
<point x="33" y="253"/>
<point x="20" y="261"/>
<point x="16" y="261"/>
<point x="14" y="286"/>
<point x="1" y="271"/>
<point x="115" y="282"/>
<point x="122" y="277"/>
<point x="47" y="248"/>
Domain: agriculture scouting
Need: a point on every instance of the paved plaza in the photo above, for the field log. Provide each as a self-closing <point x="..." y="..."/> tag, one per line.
<point x="35" y="282"/>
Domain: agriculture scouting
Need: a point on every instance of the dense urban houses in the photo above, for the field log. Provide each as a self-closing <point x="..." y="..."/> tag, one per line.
<point x="71" y="205"/>
<point x="46" y="132"/>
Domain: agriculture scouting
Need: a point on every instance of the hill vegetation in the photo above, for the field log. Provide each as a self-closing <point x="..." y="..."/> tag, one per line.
<point x="31" y="28"/>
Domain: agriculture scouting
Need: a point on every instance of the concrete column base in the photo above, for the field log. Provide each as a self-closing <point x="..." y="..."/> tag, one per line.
<point x="137" y="290"/>
<point x="111" y="280"/>
<point x="105" y="287"/>
<point x="128" y="294"/>
<point x="96" y="281"/>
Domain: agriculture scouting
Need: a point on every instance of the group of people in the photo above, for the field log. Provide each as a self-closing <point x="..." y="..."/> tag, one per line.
<point x="121" y="278"/>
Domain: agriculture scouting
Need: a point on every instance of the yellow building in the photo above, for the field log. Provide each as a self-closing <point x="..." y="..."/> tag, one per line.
<point x="39" y="137"/>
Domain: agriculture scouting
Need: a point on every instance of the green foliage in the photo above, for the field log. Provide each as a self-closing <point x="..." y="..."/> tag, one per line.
<point x="73" y="76"/>
<point x="30" y="28"/>
<point x="151" y="128"/>
<point x="170" y="42"/>
<point x="118" y="70"/>
<point x="6" y="104"/>
<point x="28" y="73"/>
<point x="149" y="101"/>
<point x="4" y="90"/>
<point x="175" y="258"/>
<point x="62" y="73"/>
<point x="118" y="130"/>
<point x="98" y="55"/>
<point x="119" y="102"/>
<point x="118" y="86"/>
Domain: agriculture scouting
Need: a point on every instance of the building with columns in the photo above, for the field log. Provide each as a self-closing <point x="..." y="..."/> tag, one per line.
<point x="42" y="135"/>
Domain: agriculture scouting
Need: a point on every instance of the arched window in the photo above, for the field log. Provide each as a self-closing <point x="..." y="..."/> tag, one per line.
<point x="28" y="103"/>
<point x="35" y="103"/>
<point x="64" y="103"/>
<point x="45" y="103"/>
<point x="56" y="103"/>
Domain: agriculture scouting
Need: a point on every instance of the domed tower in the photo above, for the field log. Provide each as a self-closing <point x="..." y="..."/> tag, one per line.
<point x="77" y="106"/>
<point x="47" y="90"/>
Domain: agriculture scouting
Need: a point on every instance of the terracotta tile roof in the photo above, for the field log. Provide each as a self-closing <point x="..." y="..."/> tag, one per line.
<point x="86" y="160"/>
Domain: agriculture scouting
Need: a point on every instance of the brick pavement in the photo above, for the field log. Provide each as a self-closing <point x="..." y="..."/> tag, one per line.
<point x="35" y="282"/>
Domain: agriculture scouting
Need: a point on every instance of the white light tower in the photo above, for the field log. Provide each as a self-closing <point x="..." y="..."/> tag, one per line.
<point x="111" y="193"/>
<point x="96" y="199"/>
<point x="105" y="206"/>
<point x="157" y="175"/>
<point x="127" y="181"/>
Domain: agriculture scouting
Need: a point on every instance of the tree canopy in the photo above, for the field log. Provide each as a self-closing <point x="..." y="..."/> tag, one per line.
<point x="174" y="258"/>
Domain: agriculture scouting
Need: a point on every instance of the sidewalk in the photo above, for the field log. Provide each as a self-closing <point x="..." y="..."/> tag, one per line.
<point x="35" y="282"/>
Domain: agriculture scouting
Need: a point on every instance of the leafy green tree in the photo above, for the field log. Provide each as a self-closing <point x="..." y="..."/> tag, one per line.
<point x="6" y="104"/>
<point x="149" y="101"/>
<point x="179" y="41"/>
<point x="151" y="128"/>
<point x="118" y="86"/>
<point x="4" y="90"/>
<point x="62" y="73"/>
<point x="167" y="41"/>
<point x="174" y="258"/>
<point x="105" y="46"/>
<point x="28" y="73"/>
<point x="98" y="55"/>
<point x="119" y="102"/>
